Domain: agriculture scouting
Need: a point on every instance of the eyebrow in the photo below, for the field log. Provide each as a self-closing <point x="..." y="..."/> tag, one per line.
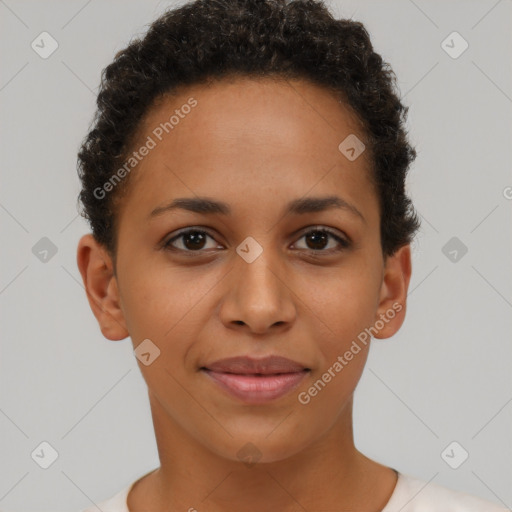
<point x="206" y="205"/>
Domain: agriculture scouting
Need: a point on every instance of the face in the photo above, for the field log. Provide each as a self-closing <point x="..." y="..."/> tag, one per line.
<point x="251" y="277"/>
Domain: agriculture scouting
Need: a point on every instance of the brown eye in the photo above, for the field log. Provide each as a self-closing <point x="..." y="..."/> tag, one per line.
<point x="317" y="240"/>
<point x="192" y="240"/>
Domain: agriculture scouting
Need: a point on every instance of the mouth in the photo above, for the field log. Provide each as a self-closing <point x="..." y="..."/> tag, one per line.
<point x="256" y="381"/>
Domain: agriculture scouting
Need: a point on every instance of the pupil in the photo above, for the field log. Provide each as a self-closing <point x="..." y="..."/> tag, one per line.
<point x="316" y="236"/>
<point x="197" y="239"/>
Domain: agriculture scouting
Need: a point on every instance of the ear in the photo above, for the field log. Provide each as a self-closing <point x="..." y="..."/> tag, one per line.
<point x="393" y="293"/>
<point x="96" y="268"/>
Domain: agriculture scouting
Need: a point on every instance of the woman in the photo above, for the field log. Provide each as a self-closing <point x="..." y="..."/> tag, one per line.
<point x="245" y="184"/>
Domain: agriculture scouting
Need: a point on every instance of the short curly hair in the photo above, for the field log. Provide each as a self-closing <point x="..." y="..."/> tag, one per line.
<point x="215" y="39"/>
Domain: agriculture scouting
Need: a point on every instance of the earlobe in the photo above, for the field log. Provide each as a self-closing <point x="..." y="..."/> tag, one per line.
<point x="393" y="297"/>
<point x="100" y="284"/>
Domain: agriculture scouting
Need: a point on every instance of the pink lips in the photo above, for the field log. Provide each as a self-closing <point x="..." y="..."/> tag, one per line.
<point x="256" y="381"/>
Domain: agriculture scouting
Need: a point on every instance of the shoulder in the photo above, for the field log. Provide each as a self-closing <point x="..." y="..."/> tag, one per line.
<point x="116" y="503"/>
<point x="415" y="495"/>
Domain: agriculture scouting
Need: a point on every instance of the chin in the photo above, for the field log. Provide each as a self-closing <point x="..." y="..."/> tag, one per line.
<point x="259" y="448"/>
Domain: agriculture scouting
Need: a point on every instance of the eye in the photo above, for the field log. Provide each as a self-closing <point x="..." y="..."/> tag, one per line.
<point x="192" y="240"/>
<point x="318" y="238"/>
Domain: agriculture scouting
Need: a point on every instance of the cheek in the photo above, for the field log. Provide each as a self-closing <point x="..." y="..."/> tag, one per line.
<point x="168" y="305"/>
<point x="165" y="305"/>
<point x="344" y="306"/>
<point x="343" y="302"/>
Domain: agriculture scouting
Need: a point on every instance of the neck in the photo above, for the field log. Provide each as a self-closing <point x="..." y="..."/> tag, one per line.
<point x="328" y="474"/>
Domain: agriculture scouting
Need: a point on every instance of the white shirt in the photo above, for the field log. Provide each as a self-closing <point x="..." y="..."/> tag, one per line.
<point x="409" y="495"/>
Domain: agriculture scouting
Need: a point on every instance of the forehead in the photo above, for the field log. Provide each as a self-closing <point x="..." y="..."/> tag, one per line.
<point x="248" y="111"/>
<point x="245" y="135"/>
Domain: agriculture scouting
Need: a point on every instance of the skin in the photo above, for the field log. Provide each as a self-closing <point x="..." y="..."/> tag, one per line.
<point x="256" y="145"/>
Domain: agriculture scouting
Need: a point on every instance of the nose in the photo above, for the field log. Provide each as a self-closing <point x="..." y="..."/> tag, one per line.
<point x="257" y="296"/>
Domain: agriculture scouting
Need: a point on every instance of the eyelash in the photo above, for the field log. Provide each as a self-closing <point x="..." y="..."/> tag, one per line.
<point x="344" y="243"/>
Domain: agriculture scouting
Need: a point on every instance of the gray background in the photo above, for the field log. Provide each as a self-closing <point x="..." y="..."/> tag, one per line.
<point x="444" y="377"/>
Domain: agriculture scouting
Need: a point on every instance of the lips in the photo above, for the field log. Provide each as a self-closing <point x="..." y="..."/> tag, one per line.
<point x="247" y="365"/>
<point x="256" y="381"/>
